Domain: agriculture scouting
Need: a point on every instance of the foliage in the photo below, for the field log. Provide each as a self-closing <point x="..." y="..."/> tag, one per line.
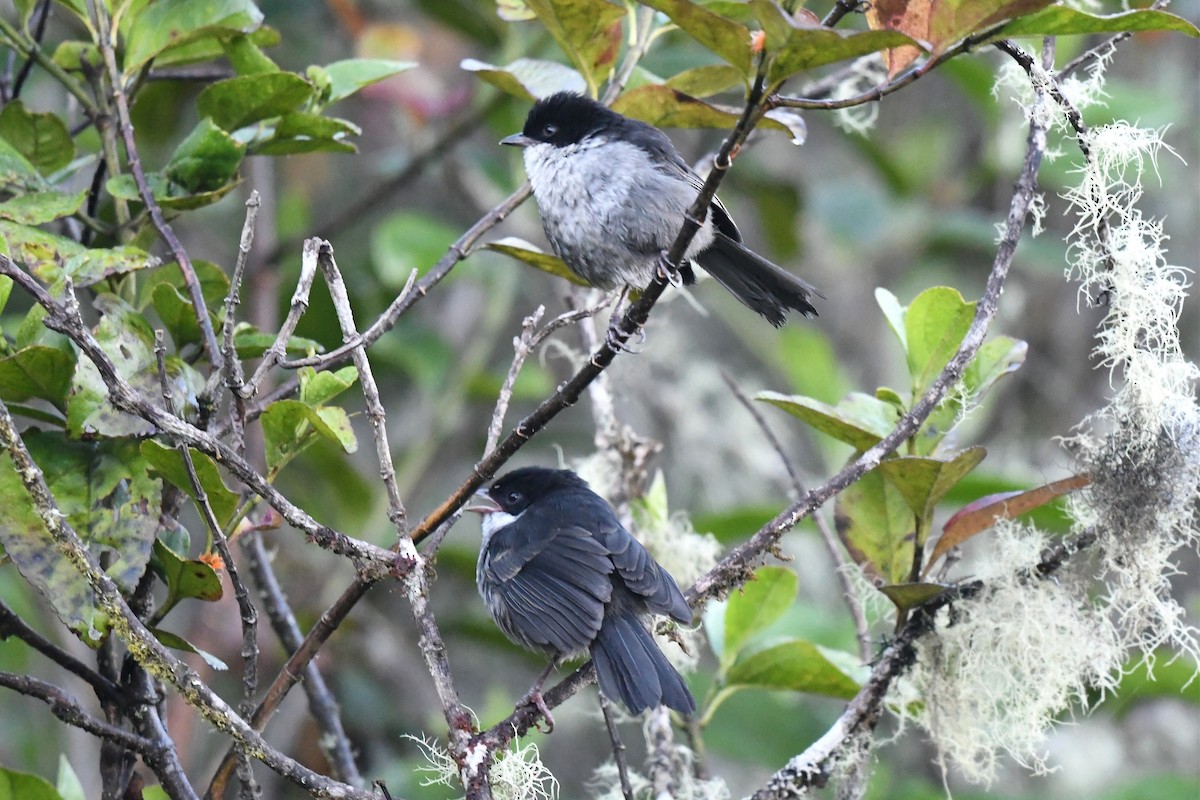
<point x="94" y="198"/>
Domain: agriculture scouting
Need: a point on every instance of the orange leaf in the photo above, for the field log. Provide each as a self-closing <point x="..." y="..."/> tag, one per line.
<point x="985" y="512"/>
<point x="907" y="16"/>
<point x="213" y="560"/>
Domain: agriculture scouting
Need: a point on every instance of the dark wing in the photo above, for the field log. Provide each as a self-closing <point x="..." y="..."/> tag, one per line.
<point x="640" y="573"/>
<point x="552" y="584"/>
<point x="671" y="163"/>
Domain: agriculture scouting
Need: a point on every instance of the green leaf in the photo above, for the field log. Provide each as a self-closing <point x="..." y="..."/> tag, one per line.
<point x="288" y="426"/>
<point x="318" y="388"/>
<point x="797" y="665"/>
<point x="514" y="11"/>
<point x="907" y="596"/>
<point x="167" y="193"/>
<point x="1060" y="20"/>
<point x="650" y="511"/>
<point x="177" y="314"/>
<point x="923" y="482"/>
<point x="759" y="603"/>
<point x="207" y="159"/>
<point x="37" y="371"/>
<point x="107" y="495"/>
<point x="806" y="357"/>
<point x="728" y="39"/>
<point x="934" y="326"/>
<point x="528" y="78"/>
<point x="707" y="80"/>
<point x="214" y="284"/>
<point x="794" y="47"/>
<point x="6" y="284"/>
<point x="995" y="359"/>
<point x="168" y="463"/>
<point x="42" y="138"/>
<point x="185" y="578"/>
<point x="128" y="340"/>
<point x="306" y="132"/>
<point x="172" y="23"/>
<point x="177" y="642"/>
<point x="246" y="56"/>
<point x="42" y="207"/>
<point x="406" y="241"/>
<point x="349" y="76"/>
<point x="664" y="107"/>
<point x="250" y="342"/>
<point x="67" y="782"/>
<point x="530" y="254"/>
<point x="237" y="102"/>
<point x="877" y="527"/>
<point x="859" y="420"/>
<point x="15" y="169"/>
<point x="893" y="312"/>
<point x="25" y="786"/>
<point x="588" y="31"/>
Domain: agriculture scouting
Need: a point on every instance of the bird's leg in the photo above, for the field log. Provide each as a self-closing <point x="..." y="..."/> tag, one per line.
<point x="534" y="698"/>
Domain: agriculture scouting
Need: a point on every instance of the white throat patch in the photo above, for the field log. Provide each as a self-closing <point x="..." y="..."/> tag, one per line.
<point x="494" y="521"/>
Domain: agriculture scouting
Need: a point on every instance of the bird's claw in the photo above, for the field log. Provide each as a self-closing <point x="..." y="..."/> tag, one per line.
<point x="670" y="274"/>
<point x="615" y="335"/>
<point x="535" y="699"/>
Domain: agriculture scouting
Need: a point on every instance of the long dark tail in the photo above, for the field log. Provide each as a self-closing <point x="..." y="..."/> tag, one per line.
<point x="630" y="667"/>
<point x="759" y="284"/>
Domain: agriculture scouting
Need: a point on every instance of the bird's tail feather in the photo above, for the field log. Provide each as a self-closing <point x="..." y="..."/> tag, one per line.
<point x="762" y="286"/>
<point x="631" y="668"/>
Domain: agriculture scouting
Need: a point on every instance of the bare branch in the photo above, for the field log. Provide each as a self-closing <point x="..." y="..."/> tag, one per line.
<point x="72" y="712"/>
<point x="232" y="372"/>
<point x="13" y="625"/>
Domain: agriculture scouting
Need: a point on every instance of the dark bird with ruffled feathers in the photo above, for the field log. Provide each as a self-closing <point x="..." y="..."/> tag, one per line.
<point x="613" y="192"/>
<point x="560" y="575"/>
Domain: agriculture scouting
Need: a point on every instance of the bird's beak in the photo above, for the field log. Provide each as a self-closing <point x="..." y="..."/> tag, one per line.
<point x="482" y="503"/>
<point x="518" y="140"/>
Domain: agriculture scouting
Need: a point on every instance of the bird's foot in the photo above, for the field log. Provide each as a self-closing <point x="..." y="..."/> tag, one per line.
<point x="616" y="335"/>
<point x="671" y="274"/>
<point x="534" y="699"/>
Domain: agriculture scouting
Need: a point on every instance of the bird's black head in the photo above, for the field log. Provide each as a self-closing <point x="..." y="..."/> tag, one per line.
<point x="564" y="119"/>
<point x="517" y="490"/>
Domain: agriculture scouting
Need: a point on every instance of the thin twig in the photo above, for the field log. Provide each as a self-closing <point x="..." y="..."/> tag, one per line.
<point x="71" y="711"/>
<point x="247" y="612"/>
<point x="212" y="349"/>
<point x="618" y="748"/>
<point x="366" y="378"/>
<point x="232" y="372"/>
<point x="862" y="629"/>
<point x="299" y="305"/>
<point x="13" y="625"/>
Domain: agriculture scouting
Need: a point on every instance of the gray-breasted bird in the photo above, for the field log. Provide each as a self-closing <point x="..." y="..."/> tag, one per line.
<point x="613" y="192"/>
<point x="560" y="575"/>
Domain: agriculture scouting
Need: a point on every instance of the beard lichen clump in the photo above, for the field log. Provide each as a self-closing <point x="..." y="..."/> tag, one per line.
<point x="1000" y="665"/>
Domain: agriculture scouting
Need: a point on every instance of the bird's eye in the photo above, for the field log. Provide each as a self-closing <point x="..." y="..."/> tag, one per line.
<point x="550" y="130"/>
<point x="514" y="498"/>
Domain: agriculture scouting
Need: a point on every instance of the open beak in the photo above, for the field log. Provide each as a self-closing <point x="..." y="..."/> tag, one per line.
<point x="518" y="140"/>
<point x="482" y="503"/>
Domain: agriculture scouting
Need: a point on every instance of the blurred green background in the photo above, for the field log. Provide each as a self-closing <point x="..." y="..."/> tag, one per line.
<point x="913" y="205"/>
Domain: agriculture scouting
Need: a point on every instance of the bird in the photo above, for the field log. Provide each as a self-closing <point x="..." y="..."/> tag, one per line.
<point x="560" y="575"/>
<point x="613" y="193"/>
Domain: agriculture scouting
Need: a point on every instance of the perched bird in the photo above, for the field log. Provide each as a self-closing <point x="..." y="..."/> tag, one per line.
<point x="561" y="576"/>
<point x="613" y="193"/>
